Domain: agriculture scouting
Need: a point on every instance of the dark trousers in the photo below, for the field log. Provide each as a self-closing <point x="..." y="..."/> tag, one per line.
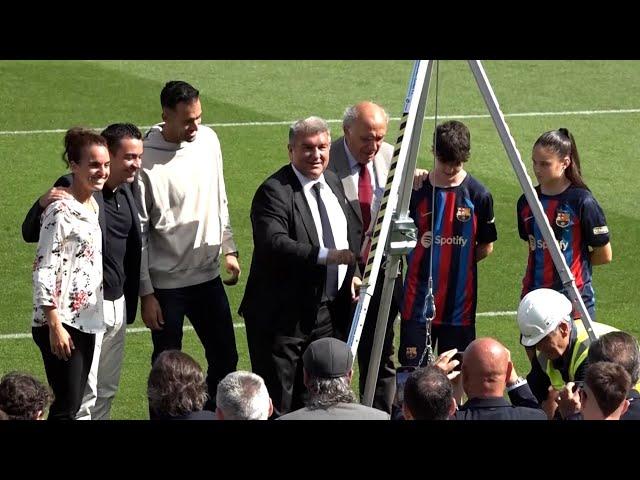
<point x="443" y="338"/>
<point x="67" y="378"/>
<point x="386" y="381"/>
<point x="278" y="358"/>
<point x="207" y="308"/>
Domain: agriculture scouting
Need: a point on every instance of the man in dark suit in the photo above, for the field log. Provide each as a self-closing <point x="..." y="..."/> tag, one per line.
<point x="486" y="368"/>
<point x="301" y="284"/>
<point x="118" y="217"/>
<point x="361" y="159"/>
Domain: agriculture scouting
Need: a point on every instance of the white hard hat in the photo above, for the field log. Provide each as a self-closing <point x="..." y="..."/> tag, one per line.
<point x="540" y="312"/>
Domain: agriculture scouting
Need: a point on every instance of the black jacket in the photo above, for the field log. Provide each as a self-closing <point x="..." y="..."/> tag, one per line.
<point x="31" y="234"/>
<point x="285" y="283"/>
<point x="496" y="408"/>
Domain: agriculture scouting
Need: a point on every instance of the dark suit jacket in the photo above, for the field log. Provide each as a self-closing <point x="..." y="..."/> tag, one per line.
<point x="523" y="397"/>
<point x="339" y="163"/>
<point x="496" y="409"/>
<point x="31" y="234"/>
<point x="285" y="283"/>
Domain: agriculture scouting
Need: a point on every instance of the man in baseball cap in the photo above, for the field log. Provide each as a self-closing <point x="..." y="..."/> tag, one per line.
<point x="328" y="369"/>
<point x="544" y="320"/>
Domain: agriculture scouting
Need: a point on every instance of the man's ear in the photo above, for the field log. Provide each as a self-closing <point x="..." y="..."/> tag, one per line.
<point x="453" y="407"/>
<point x="625" y="406"/>
<point x="270" y="407"/>
<point x="219" y="414"/>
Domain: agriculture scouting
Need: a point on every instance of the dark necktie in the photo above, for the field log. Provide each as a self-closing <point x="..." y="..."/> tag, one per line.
<point x="331" y="285"/>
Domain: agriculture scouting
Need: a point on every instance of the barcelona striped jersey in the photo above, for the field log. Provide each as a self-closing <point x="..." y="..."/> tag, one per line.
<point x="578" y="222"/>
<point x="463" y="218"/>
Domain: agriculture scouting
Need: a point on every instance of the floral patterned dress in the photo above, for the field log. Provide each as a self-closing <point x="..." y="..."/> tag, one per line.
<point x="67" y="271"/>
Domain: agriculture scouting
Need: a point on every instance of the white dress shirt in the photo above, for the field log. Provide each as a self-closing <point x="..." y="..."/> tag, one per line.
<point x="336" y="217"/>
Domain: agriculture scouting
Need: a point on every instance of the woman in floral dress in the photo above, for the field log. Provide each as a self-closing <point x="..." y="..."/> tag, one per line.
<point x="67" y="275"/>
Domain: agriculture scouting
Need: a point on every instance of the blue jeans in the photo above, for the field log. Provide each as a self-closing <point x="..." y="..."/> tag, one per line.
<point x="207" y="308"/>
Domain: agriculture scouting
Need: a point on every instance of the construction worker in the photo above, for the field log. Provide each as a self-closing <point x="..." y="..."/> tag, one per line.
<point x="544" y="319"/>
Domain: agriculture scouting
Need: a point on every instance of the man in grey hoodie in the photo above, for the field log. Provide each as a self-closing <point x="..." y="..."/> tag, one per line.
<point x="186" y="233"/>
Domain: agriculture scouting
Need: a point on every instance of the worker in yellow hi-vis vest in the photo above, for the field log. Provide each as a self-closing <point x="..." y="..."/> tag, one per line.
<point x="562" y="344"/>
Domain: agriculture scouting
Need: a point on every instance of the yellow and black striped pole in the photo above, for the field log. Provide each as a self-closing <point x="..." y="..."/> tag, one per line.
<point x="393" y="231"/>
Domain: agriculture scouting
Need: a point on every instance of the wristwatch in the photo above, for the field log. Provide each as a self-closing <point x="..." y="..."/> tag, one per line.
<point x="235" y="254"/>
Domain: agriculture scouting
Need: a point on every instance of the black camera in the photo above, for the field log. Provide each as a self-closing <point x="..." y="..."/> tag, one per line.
<point x="458" y="356"/>
<point x="402" y="373"/>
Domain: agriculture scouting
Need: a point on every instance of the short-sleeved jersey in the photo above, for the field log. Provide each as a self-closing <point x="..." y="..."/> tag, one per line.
<point x="578" y="222"/>
<point x="464" y="218"/>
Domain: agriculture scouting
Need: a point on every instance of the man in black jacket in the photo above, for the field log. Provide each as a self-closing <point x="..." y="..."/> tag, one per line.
<point x="486" y="368"/>
<point x="300" y="285"/>
<point x="118" y="217"/>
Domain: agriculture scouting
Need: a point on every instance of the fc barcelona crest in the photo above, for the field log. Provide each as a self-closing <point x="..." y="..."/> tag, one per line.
<point x="463" y="214"/>
<point x="563" y="219"/>
<point x="411" y="352"/>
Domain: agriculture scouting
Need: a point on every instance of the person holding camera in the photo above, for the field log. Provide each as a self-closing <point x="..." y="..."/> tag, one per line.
<point x="562" y="345"/>
<point x="487" y="371"/>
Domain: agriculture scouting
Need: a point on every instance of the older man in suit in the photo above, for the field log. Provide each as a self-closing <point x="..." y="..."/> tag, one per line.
<point x="361" y="160"/>
<point x="301" y="285"/>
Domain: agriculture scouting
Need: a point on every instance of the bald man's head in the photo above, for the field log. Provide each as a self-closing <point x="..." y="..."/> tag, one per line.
<point x="365" y="126"/>
<point x="486" y="368"/>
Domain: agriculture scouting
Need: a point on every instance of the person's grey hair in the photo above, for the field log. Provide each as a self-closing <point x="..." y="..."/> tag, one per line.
<point x="351" y="115"/>
<point x="325" y="392"/>
<point x="308" y="126"/>
<point x="243" y="396"/>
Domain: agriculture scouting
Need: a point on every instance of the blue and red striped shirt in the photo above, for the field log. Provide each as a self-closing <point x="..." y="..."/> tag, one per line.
<point x="577" y="222"/>
<point x="464" y="218"/>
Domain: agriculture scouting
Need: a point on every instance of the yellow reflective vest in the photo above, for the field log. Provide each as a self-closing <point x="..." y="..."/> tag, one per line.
<point x="579" y="351"/>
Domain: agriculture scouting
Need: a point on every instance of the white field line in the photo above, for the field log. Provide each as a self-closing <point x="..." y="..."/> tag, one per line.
<point x="289" y="122"/>
<point x="14" y="336"/>
<point x="17" y="336"/>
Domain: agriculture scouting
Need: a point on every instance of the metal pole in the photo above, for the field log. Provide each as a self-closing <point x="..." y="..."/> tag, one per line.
<point x="394" y="230"/>
<point x="566" y="276"/>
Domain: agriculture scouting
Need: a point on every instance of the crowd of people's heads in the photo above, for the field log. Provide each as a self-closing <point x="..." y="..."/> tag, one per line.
<point x="177" y="387"/>
<point x="544" y="318"/>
